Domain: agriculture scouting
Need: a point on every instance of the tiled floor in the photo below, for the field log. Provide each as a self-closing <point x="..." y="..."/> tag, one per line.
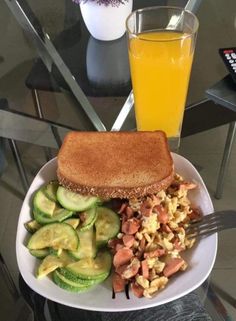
<point x="204" y="150"/>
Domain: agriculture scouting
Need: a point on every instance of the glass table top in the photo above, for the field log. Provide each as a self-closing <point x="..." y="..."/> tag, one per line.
<point x="48" y="57"/>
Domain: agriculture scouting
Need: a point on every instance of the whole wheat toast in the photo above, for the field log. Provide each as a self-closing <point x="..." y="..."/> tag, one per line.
<point x="115" y="164"/>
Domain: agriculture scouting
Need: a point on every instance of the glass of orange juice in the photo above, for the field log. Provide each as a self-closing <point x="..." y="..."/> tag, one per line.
<point x="161" y="44"/>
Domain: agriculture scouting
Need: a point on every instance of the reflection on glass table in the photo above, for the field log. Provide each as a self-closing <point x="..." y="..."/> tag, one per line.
<point x="108" y="67"/>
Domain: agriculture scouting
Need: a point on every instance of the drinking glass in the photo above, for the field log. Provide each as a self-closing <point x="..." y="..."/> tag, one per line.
<point x="161" y="43"/>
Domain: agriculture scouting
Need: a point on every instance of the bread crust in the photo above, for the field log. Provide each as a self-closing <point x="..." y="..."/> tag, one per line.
<point x="118" y="192"/>
<point x="115" y="164"/>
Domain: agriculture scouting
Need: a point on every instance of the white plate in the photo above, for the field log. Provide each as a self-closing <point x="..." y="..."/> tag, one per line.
<point x="200" y="258"/>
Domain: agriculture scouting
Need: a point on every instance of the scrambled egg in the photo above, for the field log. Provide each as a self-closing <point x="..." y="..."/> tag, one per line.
<point x="150" y="224"/>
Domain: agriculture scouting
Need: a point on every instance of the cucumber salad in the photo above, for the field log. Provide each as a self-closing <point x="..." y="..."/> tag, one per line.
<point x="69" y="237"/>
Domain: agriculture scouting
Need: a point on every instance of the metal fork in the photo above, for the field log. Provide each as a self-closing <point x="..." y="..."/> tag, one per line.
<point x="211" y="224"/>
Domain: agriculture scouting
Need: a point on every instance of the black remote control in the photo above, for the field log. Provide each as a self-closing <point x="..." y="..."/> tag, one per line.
<point x="229" y="57"/>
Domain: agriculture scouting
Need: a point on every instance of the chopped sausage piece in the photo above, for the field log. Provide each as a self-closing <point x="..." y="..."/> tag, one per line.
<point x="113" y="243"/>
<point x="142" y="244"/>
<point x="145" y="269"/>
<point x="132" y="269"/>
<point x="137" y="289"/>
<point x="187" y="185"/>
<point x="118" y="283"/>
<point x="195" y="214"/>
<point x="173" y="266"/>
<point x="128" y="240"/>
<point x="119" y="246"/>
<point x="129" y="212"/>
<point x="154" y="253"/>
<point x="122" y="256"/>
<point x="165" y="228"/>
<point x="121" y="269"/>
<point x="178" y="246"/>
<point x="130" y="226"/>
<point x="122" y="208"/>
<point x="146" y="208"/>
<point x="162" y="214"/>
<point x="139" y="254"/>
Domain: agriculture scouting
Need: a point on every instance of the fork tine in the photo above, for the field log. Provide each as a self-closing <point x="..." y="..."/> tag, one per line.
<point x="202" y="225"/>
<point x="215" y="218"/>
<point x="200" y="228"/>
<point x="208" y="227"/>
<point x="199" y="232"/>
<point x="206" y="232"/>
<point x="207" y="218"/>
<point x="212" y="223"/>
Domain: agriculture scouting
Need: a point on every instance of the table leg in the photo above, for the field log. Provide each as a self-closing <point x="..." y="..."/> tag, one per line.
<point x="225" y="159"/>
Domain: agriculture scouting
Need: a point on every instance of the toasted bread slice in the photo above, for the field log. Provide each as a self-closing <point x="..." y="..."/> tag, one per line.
<point x="115" y="164"/>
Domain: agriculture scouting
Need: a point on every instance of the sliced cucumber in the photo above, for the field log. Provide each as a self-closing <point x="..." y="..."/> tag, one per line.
<point x="56" y="252"/>
<point x="70" y="276"/>
<point x="107" y="225"/>
<point x="65" y="257"/>
<point x="40" y="254"/>
<point x="56" y="235"/>
<point x="59" y="215"/>
<point x="51" y="190"/>
<point x="49" y="264"/>
<point x="43" y="204"/>
<point x="52" y="262"/>
<point x="74" y="222"/>
<point x="87" y="245"/>
<point x="92" y="268"/>
<point x="68" y="285"/>
<point x="74" y="201"/>
<point x="32" y="226"/>
<point x="88" y="218"/>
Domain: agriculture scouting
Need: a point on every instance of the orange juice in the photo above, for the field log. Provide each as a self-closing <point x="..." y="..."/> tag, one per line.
<point x="160" y="65"/>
